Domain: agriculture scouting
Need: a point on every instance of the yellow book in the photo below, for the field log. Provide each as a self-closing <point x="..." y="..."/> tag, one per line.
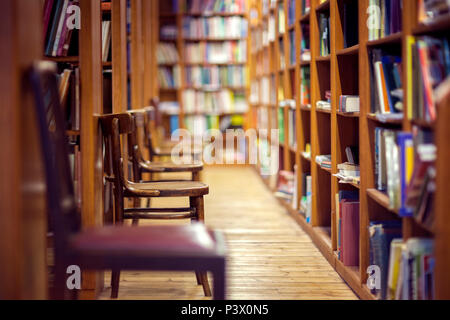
<point x="410" y="42"/>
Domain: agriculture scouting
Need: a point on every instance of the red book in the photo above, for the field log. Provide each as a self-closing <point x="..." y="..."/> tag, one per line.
<point x="350" y="233"/>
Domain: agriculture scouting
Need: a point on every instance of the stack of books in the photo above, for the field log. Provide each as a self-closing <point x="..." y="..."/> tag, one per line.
<point x="323" y="105"/>
<point x="285" y="189"/>
<point x="348" y="173"/>
<point x="324" y="161"/>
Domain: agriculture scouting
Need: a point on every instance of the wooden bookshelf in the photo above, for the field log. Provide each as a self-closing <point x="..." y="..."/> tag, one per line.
<point x="168" y="15"/>
<point x="346" y="71"/>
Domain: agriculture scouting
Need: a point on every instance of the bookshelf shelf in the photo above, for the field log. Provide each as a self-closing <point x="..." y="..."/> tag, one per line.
<point x="324" y="111"/>
<point x="305" y="63"/>
<point x="305" y="18"/>
<point x="353" y="50"/>
<point x="396" y="122"/>
<point x="395" y="38"/>
<point x="324" y="6"/>
<point x="326" y="58"/>
<point x="440" y="24"/>
<point x="381" y="198"/>
<point x="72" y="59"/>
<point x="348" y="114"/>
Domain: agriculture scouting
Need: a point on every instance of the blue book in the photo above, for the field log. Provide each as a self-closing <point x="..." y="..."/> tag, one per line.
<point x="381" y="234"/>
<point x="174" y="123"/>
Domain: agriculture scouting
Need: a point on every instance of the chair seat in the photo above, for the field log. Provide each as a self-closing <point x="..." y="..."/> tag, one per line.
<point x="135" y="245"/>
<point x="166" y="150"/>
<point x="170" y="167"/>
<point x="168" y="189"/>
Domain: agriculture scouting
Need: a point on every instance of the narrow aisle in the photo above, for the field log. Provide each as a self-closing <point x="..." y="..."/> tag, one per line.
<point x="269" y="255"/>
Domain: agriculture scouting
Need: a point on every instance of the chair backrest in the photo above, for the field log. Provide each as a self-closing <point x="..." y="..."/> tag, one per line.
<point x="63" y="215"/>
<point x="138" y="131"/>
<point x="113" y="127"/>
<point x="150" y="129"/>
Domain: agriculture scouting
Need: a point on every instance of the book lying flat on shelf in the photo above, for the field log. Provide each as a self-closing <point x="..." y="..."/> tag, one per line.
<point x="323" y="105"/>
<point x="348" y="103"/>
<point x="324" y="161"/>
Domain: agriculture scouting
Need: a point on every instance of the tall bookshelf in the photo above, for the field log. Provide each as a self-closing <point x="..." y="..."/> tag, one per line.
<point x="344" y="71"/>
<point x="176" y="14"/>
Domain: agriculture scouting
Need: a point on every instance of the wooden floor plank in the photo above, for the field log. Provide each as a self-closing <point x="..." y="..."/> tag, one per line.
<point x="269" y="255"/>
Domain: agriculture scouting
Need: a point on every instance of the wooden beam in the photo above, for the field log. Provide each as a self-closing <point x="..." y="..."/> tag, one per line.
<point x="91" y="139"/>
<point x="137" y="56"/>
<point x="119" y="55"/>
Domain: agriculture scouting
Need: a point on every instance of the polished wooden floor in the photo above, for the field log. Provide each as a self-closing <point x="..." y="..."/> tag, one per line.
<point x="270" y="257"/>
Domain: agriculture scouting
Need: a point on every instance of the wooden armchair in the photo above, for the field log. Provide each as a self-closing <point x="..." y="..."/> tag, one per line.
<point x="178" y="248"/>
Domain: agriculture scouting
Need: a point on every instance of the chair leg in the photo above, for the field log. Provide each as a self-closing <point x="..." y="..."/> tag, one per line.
<point x="195" y="176"/>
<point x="115" y="280"/>
<point x="198" y="204"/>
<point x="219" y="283"/>
<point x="197" y="275"/>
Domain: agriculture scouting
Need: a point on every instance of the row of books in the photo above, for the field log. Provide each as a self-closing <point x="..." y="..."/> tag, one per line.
<point x="199" y="124"/>
<point x="281" y="19"/>
<point x="267" y="4"/>
<point x="167" y="53"/>
<point x="305" y="86"/>
<point x="292" y="136"/>
<point x="291" y="12"/>
<point x="222" y="52"/>
<point x="216" y="76"/>
<point x="59" y="32"/>
<point x="306" y="6"/>
<point x="224" y="101"/>
<point x="385" y="18"/>
<point x="69" y="92"/>
<point x="168" y="32"/>
<point x="347" y="226"/>
<point x="386" y="79"/>
<point x="407" y="267"/>
<point x="305" y="50"/>
<point x="404" y="168"/>
<point x="411" y="269"/>
<point x="213" y="6"/>
<point x="430" y="57"/>
<point x="281" y="54"/>
<point x="169" y="77"/>
<point x="429" y="10"/>
<point x="324" y="161"/>
<point x="292" y="48"/>
<point x="324" y="34"/>
<point x="306" y="197"/>
<point x="215" y="27"/>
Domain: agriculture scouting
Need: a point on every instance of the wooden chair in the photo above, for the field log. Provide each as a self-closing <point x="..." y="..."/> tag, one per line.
<point x="120" y="126"/>
<point x="163" y="148"/>
<point x="179" y="248"/>
<point x="141" y="165"/>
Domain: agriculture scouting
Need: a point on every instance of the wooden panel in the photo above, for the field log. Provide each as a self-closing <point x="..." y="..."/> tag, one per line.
<point x="23" y="220"/>
<point x="442" y="202"/>
<point x="137" y="55"/>
<point x="119" y="54"/>
<point x="149" y="50"/>
<point x="91" y="105"/>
